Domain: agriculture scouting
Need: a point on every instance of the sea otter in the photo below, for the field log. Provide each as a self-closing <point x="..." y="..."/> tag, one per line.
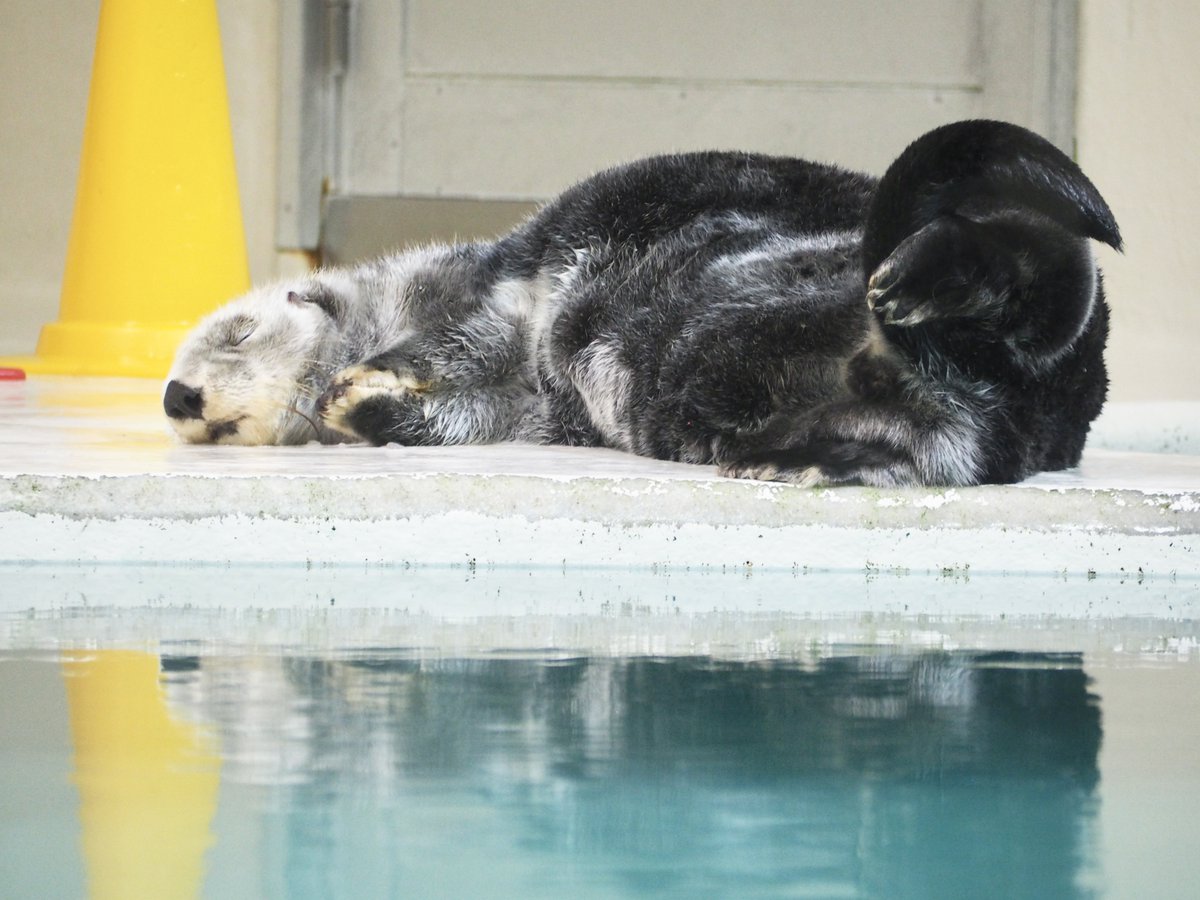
<point x="780" y="318"/>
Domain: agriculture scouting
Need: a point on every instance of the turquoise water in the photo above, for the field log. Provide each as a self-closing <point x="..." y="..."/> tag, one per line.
<point x="688" y="777"/>
<point x="860" y="772"/>
<point x="297" y="732"/>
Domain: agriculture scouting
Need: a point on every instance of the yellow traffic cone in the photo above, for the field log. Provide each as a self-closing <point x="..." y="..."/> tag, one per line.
<point x="148" y="782"/>
<point x="156" y="239"/>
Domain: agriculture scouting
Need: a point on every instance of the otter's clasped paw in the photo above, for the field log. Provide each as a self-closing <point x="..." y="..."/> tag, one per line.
<point x="361" y="384"/>
<point x="899" y="299"/>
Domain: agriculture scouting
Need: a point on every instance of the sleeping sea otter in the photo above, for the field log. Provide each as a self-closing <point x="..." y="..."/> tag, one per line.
<point x="780" y="318"/>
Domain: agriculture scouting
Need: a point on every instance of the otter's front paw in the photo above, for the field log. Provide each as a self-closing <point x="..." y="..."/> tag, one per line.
<point x="907" y="297"/>
<point x="359" y="395"/>
<point x="950" y="269"/>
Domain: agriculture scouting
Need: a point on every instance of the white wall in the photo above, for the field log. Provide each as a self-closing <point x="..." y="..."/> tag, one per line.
<point x="45" y="58"/>
<point x="250" y="42"/>
<point x="1139" y="125"/>
<point x="1138" y="134"/>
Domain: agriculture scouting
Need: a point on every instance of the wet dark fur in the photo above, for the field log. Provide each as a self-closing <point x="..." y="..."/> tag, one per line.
<point x="781" y="318"/>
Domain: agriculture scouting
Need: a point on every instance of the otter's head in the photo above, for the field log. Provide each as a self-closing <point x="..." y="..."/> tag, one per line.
<point x="250" y="373"/>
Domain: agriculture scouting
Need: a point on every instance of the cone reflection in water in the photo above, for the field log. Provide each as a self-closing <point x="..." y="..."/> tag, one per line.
<point x="147" y="781"/>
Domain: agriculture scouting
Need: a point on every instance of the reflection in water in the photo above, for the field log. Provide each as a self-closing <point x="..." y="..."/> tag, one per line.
<point x="147" y="781"/>
<point x="876" y="775"/>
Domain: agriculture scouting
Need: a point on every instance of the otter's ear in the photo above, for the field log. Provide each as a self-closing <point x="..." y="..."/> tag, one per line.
<point x="319" y="296"/>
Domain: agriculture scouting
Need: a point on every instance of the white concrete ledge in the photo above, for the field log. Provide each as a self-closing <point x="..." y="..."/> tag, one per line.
<point x="88" y="474"/>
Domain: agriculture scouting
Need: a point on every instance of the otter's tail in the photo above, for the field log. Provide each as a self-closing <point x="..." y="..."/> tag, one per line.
<point x="976" y="165"/>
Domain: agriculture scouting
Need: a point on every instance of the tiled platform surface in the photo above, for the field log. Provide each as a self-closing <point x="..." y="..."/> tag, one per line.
<point x="510" y="546"/>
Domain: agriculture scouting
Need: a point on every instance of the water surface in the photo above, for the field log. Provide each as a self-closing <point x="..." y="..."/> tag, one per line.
<point x="388" y="772"/>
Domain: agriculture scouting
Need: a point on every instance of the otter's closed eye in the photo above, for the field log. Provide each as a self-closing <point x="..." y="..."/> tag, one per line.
<point x="239" y="330"/>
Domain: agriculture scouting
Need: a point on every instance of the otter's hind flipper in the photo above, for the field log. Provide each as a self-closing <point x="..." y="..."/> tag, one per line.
<point x="976" y="165"/>
<point x="984" y="226"/>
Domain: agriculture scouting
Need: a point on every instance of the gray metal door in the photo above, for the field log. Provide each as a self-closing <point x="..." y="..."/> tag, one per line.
<point x="407" y="120"/>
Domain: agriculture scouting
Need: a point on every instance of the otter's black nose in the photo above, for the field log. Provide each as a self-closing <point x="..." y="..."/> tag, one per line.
<point x="182" y="402"/>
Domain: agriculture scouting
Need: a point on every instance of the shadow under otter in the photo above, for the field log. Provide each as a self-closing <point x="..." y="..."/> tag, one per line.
<point x="780" y="318"/>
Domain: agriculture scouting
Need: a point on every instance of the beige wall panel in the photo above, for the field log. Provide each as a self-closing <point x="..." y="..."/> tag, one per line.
<point x="1139" y="129"/>
<point x="506" y="140"/>
<point x="1027" y="60"/>
<point x="928" y="42"/>
<point x="249" y="38"/>
<point x="374" y="146"/>
<point x="45" y="67"/>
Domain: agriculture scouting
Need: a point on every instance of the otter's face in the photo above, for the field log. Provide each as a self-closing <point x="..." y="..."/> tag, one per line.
<point x="250" y="372"/>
